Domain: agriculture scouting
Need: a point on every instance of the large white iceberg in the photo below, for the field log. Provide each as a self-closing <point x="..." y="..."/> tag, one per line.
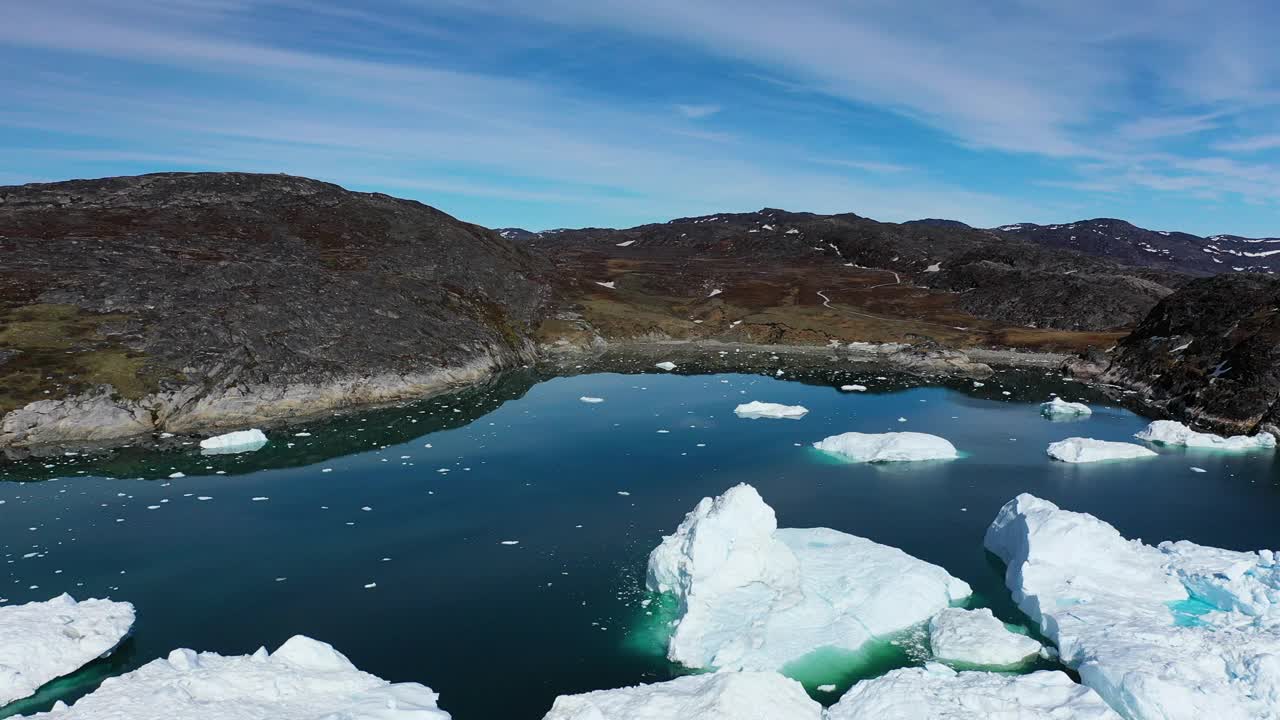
<point x="1168" y="432"/>
<point x="234" y="442"/>
<point x="1060" y="407"/>
<point x="1174" y="632"/>
<point x="936" y="692"/>
<point x="888" y="447"/>
<point x="42" y="641"/>
<point x="1086" y="450"/>
<point x="755" y="410"/>
<point x="303" y="680"/>
<point x="755" y="597"/>
<point x="978" y="638"/>
<point x="713" y="696"/>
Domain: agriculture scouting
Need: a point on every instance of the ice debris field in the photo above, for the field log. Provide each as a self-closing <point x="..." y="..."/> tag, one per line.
<point x="1169" y="630"/>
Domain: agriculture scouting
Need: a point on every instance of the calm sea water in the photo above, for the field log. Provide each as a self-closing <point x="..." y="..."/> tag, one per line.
<point x="419" y="500"/>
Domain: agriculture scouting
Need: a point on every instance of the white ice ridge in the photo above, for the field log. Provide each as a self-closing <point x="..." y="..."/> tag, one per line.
<point x="755" y="597"/>
<point x="936" y="692"/>
<point x="42" y="641"/>
<point x="1168" y="432"/>
<point x="1174" y="632"/>
<point x="1058" y="406"/>
<point x="1086" y="450"/>
<point x="303" y="680"/>
<point x="667" y="365"/>
<point x="756" y="409"/>
<point x="713" y="696"/>
<point x="888" y="447"/>
<point x="978" y="638"/>
<point x="234" y="442"/>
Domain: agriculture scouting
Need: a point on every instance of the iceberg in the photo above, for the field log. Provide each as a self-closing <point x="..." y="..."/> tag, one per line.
<point x="234" y="442"/>
<point x="1087" y="450"/>
<point x="755" y="410"/>
<point x="667" y="365"/>
<point x="1060" y="407"/>
<point x="1168" y="432"/>
<point x="751" y="596"/>
<point x="714" y="696"/>
<point x="888" y="447"/>
<point x="1174" y="632"/>
<point x="936" y="691"/>
<point x="978" y="638"/>
<point x="42" y="641"/>
<point x="303" y="680"/>
<point x="853" y="388"/>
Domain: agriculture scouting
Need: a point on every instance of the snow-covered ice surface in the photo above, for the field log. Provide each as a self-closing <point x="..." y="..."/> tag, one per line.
<point x="754" y="597"/>
<point x="714" y="696"/>
<point x="234" y="442"/>
<point x="1060" y="407"/>
<point x="936" y="692"/>
<point x="978" y="638"/>
<point x="1169" y="432"/>
<point x="42" y="641"/>
<point x="303" y="680"/>
<point x="1087" y="450"/>
<point x="666" y="365"/>
<point x="1174" y="632"/>
<point x="755" y="410"/>
<point x="888" y="447"/>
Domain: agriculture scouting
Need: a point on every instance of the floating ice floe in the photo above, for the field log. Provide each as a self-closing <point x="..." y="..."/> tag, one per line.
<point x="1168" y="432"/>
<point x="752" y="596"/>
<point x="303" y="680"/>
<point x="978" y="638"/>
<point x="667" y="365"/>
<point x="755" y="410"/>
<point x="888" y="447"/>
<point x="42" y="641"/>
<point x="1060" y="407"/>
<point x="234" y="442"/>
<point x="715" y="696"/>
<point x="1174" y="632"/>
<point x="853" y="388"/>
<point x="590" y="400"/>
<point x="1086" y="450"/>
<point x="936" y="691"/>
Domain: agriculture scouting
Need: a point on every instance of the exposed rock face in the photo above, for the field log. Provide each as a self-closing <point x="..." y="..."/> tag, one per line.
<point x="1209" y="353"/>
<point x="181" y="301"/>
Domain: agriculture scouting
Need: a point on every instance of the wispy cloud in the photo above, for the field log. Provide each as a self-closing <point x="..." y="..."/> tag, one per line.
<point x="697" y="111"/>
<point x="1250" y="144"/>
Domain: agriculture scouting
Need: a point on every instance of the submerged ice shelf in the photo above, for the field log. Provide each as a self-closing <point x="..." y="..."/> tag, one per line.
<point x="303" y="680"/>
<point x="1173" y="632"/>
<point x="42" y="641"/>
<point x="752" y="596"/>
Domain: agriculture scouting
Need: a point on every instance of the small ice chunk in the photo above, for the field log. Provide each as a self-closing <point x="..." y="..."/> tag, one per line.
<point x="667" y="365"/>
<point x="606" y="284"/>
<point x="1086" y="450"/>
<point x="888" y="447"/>
<point x="234" y="442"/>
<point x="756" y="597"/>
<point x="42" y="641"/>
<point x="715" y="292"/>
<point x="1169" y="432"/>
<point x="936" y="691"/>
<point x="853" y="388"/>
<point x="625" y="243"/>
<point x="755" y="410"/>
<point x="1058" y="406"/>
<point x="303" y="679"/>
<point x="590" y="400"/>
<point x="978" y="638"/>
<point x="713" y="696"/>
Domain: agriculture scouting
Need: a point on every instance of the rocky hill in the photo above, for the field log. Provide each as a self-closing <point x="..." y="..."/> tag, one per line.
<point x="999" y="278"/>
<point x="198" y="300"/>
<point x="1129" y="244"/>
<point x="1209" y="353"/>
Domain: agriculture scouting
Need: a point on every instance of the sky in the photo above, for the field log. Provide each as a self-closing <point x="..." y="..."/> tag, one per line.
<point x="573" y="113"/>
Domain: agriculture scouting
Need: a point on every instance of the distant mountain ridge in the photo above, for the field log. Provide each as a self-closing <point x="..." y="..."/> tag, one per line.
<point x="1110" y="238"/>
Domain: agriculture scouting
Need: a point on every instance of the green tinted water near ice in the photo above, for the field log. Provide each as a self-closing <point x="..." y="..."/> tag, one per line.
<point x="419" y="499"/>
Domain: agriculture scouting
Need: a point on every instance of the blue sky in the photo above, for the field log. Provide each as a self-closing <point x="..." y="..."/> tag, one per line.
<point x="554" y="113"/>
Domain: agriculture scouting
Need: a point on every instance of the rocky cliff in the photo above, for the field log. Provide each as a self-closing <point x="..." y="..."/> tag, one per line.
<point x="180" y="301"/>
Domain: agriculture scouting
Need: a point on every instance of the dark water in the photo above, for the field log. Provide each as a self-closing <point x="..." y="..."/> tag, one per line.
<point x="500" y="630"/>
